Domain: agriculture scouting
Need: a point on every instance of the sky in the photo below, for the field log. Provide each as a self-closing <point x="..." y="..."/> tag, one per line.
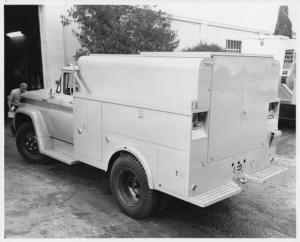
<point x="258" y="14"/>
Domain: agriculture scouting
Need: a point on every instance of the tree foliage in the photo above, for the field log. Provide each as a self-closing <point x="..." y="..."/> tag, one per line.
<point x="283" y="25"/>
<point x="202" y="46"/>
<point x="120" y="29"/>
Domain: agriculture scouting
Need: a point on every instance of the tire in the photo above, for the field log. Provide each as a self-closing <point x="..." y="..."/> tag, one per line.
<point x="129" y="185"/>
<point x="27" y="144"/>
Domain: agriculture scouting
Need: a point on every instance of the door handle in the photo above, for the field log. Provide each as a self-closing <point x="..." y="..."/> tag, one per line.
<point x="44" y="99"/>
<point x="71" y="102"/>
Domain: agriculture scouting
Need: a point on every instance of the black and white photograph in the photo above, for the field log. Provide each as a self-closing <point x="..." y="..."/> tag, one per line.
<point x="149" y="119"/>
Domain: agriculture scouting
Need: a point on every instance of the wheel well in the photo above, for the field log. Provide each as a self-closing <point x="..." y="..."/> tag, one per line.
<point x="114" y="157"/>
<point x="20" y="119"/>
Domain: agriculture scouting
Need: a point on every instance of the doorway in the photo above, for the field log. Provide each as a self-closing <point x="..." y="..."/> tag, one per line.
<point x="22" y="53"/>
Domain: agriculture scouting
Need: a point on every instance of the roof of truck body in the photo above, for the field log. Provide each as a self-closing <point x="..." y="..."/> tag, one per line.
<point x="195" y="54"/>
<point x="157" y="81"/>
<point x="160" y="80"/>
<point x="181" y="54"/>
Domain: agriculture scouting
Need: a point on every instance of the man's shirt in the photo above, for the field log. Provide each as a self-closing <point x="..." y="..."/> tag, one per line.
<point x="15" y="96"/>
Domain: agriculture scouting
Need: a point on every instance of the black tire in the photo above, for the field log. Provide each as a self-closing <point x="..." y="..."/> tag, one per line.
<point x="129" y="185"/>
<point x="27" y="144"/>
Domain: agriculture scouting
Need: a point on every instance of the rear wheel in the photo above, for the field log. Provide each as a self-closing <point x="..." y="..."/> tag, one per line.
<point x="129" y="185"/>
<point x="27" y="144"/>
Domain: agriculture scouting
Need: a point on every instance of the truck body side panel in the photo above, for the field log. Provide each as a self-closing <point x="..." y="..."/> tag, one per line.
<point x="162" y="128"/>
<point x="163" y="136"/>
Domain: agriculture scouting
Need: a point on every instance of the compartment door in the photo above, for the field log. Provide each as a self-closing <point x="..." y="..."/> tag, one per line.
<point x="225" y="108"/>
<point x="87" y="130"/>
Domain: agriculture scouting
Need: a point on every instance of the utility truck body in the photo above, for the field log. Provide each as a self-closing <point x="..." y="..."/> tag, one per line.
<point x="192" y="125"/>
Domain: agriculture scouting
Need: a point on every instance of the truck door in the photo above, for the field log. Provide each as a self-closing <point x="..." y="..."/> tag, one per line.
<point x="60" y="114"/>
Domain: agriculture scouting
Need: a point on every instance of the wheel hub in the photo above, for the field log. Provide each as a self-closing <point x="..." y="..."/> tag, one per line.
<point x="130" y="188"/>
<point x="30" y="143"/>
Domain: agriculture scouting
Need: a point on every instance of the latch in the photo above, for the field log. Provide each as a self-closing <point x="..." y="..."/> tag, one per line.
<point x="179" y="173"/>
<point x="141" y="114"/>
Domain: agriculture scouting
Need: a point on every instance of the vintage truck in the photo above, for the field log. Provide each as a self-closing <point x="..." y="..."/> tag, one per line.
<point x="192" y="125"/>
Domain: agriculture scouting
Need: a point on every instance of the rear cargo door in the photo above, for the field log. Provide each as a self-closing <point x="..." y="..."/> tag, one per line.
<point x="241" y="89"/>
<point x="260" y="85"/>
<point x="225" y="108"/>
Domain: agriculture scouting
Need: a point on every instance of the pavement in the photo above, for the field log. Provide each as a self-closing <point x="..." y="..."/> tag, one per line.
<point x="61" y="201"/>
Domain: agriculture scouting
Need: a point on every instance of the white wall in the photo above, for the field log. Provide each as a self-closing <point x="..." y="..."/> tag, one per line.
<point x="189" y="33"/>
<point x="57" y="42"/>
<point x="219" y="35"/>
<point x="71" y="44"/>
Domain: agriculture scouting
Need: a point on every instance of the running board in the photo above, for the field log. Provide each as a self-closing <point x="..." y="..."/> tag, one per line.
<point x="215" y="195"/>
<point x="265" y="174"/>
<point x="60" y="155"/>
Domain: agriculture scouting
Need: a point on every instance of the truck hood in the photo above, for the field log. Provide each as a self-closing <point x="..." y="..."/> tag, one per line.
<point x="36" y="94"/>
<point x="36" y="97"/>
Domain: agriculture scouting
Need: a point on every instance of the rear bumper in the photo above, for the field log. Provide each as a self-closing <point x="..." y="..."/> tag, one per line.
<point x="232" y="188"/>
<point x="265" y="174"/>
<point x="216" y="195"/>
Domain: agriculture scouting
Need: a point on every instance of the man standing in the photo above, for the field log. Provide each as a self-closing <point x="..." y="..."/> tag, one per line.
<point x="15" y="97"/>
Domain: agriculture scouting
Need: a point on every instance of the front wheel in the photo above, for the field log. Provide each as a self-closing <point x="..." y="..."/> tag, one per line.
<point x="27" y="144"/>
<point x="129" y="185"/>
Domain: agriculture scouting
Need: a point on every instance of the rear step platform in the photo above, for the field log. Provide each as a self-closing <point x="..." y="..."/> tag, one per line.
<point x="215" y="195"/>
<point x="265" y="174"/>
<point x="60" y="155"/>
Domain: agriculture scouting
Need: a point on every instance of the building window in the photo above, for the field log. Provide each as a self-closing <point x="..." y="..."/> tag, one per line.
<point x="233" y="46"/>
<point x="289" y="57"/>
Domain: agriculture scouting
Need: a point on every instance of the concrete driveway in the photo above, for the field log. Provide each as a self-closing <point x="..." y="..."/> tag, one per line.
<point x="61" y="201"/>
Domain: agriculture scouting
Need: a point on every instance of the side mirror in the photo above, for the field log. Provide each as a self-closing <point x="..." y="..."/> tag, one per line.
<point x="58" y="86"/>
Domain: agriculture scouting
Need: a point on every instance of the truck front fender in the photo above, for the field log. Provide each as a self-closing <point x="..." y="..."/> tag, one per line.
<point x="38" y="122"/>
<point x="138" y="155"/>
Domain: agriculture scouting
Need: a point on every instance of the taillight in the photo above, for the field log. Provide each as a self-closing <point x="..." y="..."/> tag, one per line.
<point x="273" y="110"/>
<point x="199" y="119"/>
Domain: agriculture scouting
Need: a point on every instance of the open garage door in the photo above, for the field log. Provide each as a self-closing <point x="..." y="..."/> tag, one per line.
<point x="23" y="62"/>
